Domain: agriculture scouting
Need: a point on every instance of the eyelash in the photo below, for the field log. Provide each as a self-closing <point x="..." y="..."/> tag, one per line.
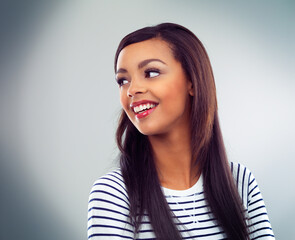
<point x="120" y="81"/>
<point x="148" y="71"/>
<point x="146" y="75"/>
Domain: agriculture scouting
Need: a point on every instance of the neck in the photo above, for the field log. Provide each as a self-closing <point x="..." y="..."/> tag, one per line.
<point x="172" y="155"/>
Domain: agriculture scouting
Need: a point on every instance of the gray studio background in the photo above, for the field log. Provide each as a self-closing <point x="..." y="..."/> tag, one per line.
<point x="59" y="101"/>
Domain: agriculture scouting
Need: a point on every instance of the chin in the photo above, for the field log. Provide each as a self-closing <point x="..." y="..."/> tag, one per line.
<point x="150" y="133"/>
<point x="149" y="130"/>
<point x="146" y="131"/>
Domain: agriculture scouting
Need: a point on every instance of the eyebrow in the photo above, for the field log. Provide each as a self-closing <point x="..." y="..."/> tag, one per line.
<point x="142" y="64"/>
<point x="147" y="61"/>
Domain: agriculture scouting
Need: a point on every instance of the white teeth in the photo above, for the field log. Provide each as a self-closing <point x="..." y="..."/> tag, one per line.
<point x="143" y="107"/>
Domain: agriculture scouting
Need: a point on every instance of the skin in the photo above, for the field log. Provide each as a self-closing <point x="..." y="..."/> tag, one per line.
<point x="148" y="71"/>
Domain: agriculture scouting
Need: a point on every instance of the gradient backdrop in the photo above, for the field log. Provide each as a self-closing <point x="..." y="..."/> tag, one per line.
<point x="59" y="101"/>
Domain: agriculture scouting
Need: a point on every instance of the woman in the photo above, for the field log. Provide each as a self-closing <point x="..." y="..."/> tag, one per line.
<point x="174" y="180"/>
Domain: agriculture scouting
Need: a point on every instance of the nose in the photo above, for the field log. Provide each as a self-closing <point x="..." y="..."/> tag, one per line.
<point x="135" y="87"/>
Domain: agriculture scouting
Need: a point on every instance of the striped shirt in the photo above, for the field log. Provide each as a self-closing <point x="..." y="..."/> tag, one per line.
<point x="108" y="210"/>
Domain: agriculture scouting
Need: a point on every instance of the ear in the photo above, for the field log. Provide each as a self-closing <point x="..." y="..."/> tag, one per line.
<point x="190" y="88"/>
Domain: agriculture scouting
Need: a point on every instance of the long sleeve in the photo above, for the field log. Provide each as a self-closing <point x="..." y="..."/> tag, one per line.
<point x="108" y="209"/>
<point x="259" y="224"/>
<point x="258" y="221"/>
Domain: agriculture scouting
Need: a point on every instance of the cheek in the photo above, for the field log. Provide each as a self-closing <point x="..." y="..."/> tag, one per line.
<point x="123" y="99"/>
<point x="175" y="97"/>
<point x="125" y="102"/>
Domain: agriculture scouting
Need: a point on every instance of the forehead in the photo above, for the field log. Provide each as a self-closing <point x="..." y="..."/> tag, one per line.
<point x="152" y="48"/>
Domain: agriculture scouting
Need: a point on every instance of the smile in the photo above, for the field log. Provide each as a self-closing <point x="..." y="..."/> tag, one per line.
<point x="143" y="108"/>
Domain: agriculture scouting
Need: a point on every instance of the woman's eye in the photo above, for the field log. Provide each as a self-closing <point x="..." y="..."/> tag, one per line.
<point x="122" y="82"/>
<point x="152" y="73"/>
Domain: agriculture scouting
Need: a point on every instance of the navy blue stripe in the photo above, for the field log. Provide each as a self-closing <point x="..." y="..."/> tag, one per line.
<point x="256" y="223"/>
<point x="252" y="181"/>
<point x="248" y="189"/>
<point x="255" y="202"/>
<point x="204" y="235"/>
<point x="259" y="229"/>
<point x="254" y="195"/>
<point x="264" y="235"/>
<point x="238" y="175"/>
<point x="146" y="239"/>
<point x="243" y="182"/>
<point x="107" y="201"/>
<point x="231" y="167"/>
<point x="199" y="228"/>
<point x="109" y="210"/>
<point x="108" y="226"/>
<point x="108" y="235"/>
<point x="118" y="173"/>
<point x="109" y="218"/>
<point x="106" y="178"/>
<point x="120" y="179"/>
<point x="105" y="184"/>
<point x="256" y="208"/>
<point x="177" y="223"/>
<point x="108" y="193"/>
<point x="258" y="215"/>
<point x="186" y="230"/>
<point x="253" y="189"/>
<point x="145" y="231"/>
<point x="207" y="220"/>
<point x="185" y="223"/>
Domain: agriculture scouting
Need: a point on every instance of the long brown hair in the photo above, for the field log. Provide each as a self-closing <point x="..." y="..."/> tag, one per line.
<point x="208" y="151"/>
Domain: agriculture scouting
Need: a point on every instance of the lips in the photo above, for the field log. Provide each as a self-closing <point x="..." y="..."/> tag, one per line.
<point x="143" y="108"/>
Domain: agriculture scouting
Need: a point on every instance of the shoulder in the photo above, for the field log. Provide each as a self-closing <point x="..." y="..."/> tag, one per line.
<point x="108" y="208"/>
<point x="111" y="187"/>
<point x="244" y="179"/>
<point x="257" y="217"/>
<point x="241" y="173"/>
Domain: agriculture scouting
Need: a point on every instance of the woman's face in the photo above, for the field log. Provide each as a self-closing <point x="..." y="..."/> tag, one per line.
<point x="154" y="90"/>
